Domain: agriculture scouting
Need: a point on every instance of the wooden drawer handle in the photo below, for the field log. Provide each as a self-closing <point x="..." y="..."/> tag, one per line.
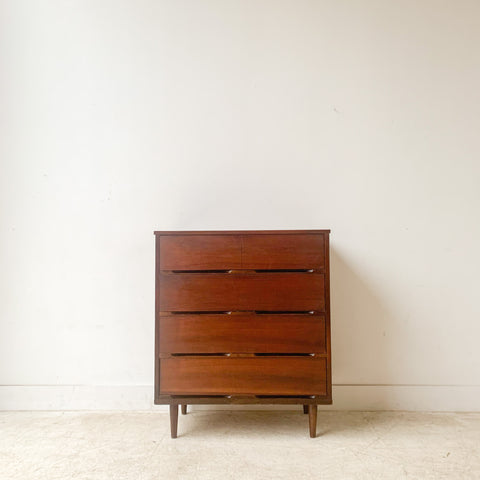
<point x="240" y="355"/>
<point x="276" y="270"/>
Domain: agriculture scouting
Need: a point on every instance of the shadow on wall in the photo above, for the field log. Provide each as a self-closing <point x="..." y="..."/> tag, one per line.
<point x="359" y="324"/>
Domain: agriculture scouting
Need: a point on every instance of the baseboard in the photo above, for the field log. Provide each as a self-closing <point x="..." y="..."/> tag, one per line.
<point x="140" y="397"/>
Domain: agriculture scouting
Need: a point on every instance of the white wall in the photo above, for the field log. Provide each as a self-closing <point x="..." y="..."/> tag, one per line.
<point x="121" y="117"/>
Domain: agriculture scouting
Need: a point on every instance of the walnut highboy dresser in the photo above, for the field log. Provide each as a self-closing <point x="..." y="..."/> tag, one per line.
<point x="242" y="317"/>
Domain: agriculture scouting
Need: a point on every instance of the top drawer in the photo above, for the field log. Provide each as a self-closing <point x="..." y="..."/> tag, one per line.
<point x="283" y="252"/>
<point x="253" y="252"/>
<point x="200" y="252"/>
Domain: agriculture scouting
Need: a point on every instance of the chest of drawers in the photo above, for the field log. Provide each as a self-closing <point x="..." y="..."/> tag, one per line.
<point x="242" y="317"/>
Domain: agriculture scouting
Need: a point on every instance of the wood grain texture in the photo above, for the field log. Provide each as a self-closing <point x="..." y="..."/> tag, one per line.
<point x="273" y="252"/>
<point x="259" y="291"/>
<point x="245" y="376"/>
<point x="157" y="323"/>
<point x="312" y="420"/>
<point x="173" y="420"/>
<point x="255" y="252"/>
<point x="200" y="252"/>
<point x="265" y="275"/>
<point x="284" y="333"/>
<point x="244" y="399"/>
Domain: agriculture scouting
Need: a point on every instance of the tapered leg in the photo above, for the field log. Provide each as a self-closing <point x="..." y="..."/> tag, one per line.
<point x="173" y="420"/>
<point x="312" y="420"/>
<point x="184" y="409"/>
<point x="305" y="409"/>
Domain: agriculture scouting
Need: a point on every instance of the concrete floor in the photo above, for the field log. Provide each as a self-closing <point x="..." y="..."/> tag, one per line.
<point x="239" y="445"/>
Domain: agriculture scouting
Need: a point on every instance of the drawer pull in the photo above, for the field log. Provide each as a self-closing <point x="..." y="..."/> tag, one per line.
<point x="195" y="271"/>
<point x="285" y="396"/>
<point x="285" y="270"/>
<point x="240" y="355"/>
<point x="196" y="312"/>
<point x="241" y="312"/>
<point x="219" y="354"/>
<point x="284" y="312"/>
<point x="284" y="354"/>
<point x="245" y="270"/>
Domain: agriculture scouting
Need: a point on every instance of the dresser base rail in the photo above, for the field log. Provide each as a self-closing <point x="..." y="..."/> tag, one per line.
<point x="242" y="400"/>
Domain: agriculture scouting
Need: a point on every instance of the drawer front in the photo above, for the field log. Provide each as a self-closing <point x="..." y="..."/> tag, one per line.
<point x="275" y="252"/>
<point x="193" y="292"/>
<point x="254" y="252"/>
<point x="281" y="333"/>
<point x="243" y="376"/>
<point x="200" y="252"/>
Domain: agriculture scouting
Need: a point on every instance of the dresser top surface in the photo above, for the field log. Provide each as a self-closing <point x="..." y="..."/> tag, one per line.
<point x="239" y="232"/>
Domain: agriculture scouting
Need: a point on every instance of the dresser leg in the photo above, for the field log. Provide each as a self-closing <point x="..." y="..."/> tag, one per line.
<point x="312" y="420"/>
<point x="305" y="409"/>
<point x="173" y="420"/>
<point x="184" y="409"/>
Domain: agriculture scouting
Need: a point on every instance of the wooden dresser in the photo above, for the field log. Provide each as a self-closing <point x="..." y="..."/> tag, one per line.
<point x="242" y="317"/>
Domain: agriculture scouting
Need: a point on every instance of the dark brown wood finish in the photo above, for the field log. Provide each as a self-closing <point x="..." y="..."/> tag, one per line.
<point x="273" y="345"/>
<point x="275" y="252"/>
<point x="247" y="333"/>
<point x="190" y="375"/>
<point x="244" y="399"/>
<point x="157" y="324"/>
<point x="327" y="317"/>
<point x="200" y="252"/>
<point x="211" y="292"/>
<point x="173" y="420"/>
<point x="254" y="252"/>
<point x="312" y="420"/>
